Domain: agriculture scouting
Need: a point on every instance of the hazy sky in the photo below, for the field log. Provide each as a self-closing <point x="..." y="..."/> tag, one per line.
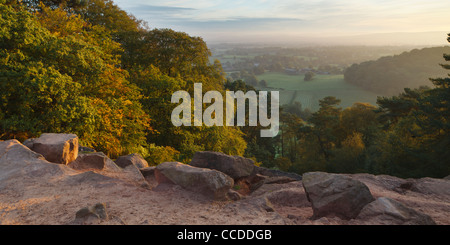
<point x="229" y="20"/>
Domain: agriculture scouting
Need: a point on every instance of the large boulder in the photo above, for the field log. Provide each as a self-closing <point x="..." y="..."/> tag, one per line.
<point x="132" y="159"/>
<point x="431" y="186"/>
<point x="56" y="148"/>
<point x="335" y="195"/>
<point x="19" y="166"/>
<point x="234" y="166"/>
<point x="133" y="173"/>
<point x="386" y="211"/>
<point x="98" y="161"/>
<point x="208" y="182"/>
<point x="93" y="161"/>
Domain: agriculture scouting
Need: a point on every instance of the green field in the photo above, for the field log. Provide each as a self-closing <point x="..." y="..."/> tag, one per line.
<point x="293" y="88"/>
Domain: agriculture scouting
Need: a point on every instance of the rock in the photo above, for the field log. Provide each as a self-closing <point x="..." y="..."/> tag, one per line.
<point x="249" y="184"/>
<point x="135" y="159"/>
<point x="271" y="188"/>
<point x="18" y="163"/>
<point x="97" y="160"/>
<point x="56" y="148"/>
<point x="211" y="183"/>
<point x="430" y="186"/>
<point x="290" y="197"/>
<point x="29" y="143"/>
<point x="278" y="180"/>
<point x="89" y="178"/>
<point x="405" y="186"/>
<point x="91" y="215"/>
<point x="233" y="166"/>
<point x="260" y="204"/>
<point x="162" y="179"/>
<point x="447" y="178"/>
<point x="243" y="185"/>
<point x="386" y="211"/>
<point x="134" y="174"/>
<point x="98" y="210"/>
<point x="148" y="171"/>
<point x="84" y="149"/>
<point x="234" y="195"/>
<point x="276" y="173"/>
<point x="335" y="195"/>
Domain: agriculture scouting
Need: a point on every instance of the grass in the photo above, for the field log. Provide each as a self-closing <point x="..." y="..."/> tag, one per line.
<point x="292" y="88"/>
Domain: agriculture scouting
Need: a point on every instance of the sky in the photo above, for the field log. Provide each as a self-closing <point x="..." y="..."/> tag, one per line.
<point x="293" y="20"/>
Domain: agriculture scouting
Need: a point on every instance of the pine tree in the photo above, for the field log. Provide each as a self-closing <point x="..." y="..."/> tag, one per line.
<point x="433" y="118"/>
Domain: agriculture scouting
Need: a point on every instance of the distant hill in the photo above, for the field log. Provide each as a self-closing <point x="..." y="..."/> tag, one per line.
<point x="390" y="75"/>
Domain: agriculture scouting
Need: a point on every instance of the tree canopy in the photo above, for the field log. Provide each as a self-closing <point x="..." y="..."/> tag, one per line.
<point x="391" y="74"/>
<point x="90" y="68"/>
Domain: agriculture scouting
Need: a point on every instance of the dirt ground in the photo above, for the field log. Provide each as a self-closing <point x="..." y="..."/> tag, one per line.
<point x="56" y="201"/>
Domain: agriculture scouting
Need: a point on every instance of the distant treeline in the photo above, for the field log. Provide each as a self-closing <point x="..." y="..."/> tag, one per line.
<point x="391" y="74"/>
<point x="317" y="56"/>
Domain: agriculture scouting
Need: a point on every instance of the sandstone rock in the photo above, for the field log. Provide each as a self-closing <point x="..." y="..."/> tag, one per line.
<point x="335" y="195"/>
<point x="430" y="186"/>
<point x="234" y="195"/>
<point x="97" y="160"/>
<point x="29" y="143"/>
<point x="148" y="171"/>
<point x="249" y="184"/>
<point x="256" y="204"/>
<point x="89" y="178"/>
<point x="132" y="159"/>
<point x="92" y="215"/>
<point x="447" y="178"/>
<point x="233" y="166"/>
<point x="98" y="210"/>
<point x="244" y="185"/>
<point x="134" y="174"/>
<point x="18" y="162"/>
<point x="386" y="211"/>
<point x="56" y="148"/>
<point x="276" y="173"/>
<point x="272" y="188"/>
<point x="162" y="179"/>
<point x="208" y="182"/>
<point x="262" y="203"/>
<point x="290" y="197"/>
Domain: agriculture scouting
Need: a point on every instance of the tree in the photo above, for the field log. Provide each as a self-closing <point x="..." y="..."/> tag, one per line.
<point x="309" y="76"/>
<point x="349" y="157"/>
<point x="433" y="121"/>
<point x="263" y="83"/>
<point x="416" y="140"/>
<point x="65" y="77"/>
<point x="326" y="125"/>
<point x="67" y="5"/>
<point x="360" y="119"/>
